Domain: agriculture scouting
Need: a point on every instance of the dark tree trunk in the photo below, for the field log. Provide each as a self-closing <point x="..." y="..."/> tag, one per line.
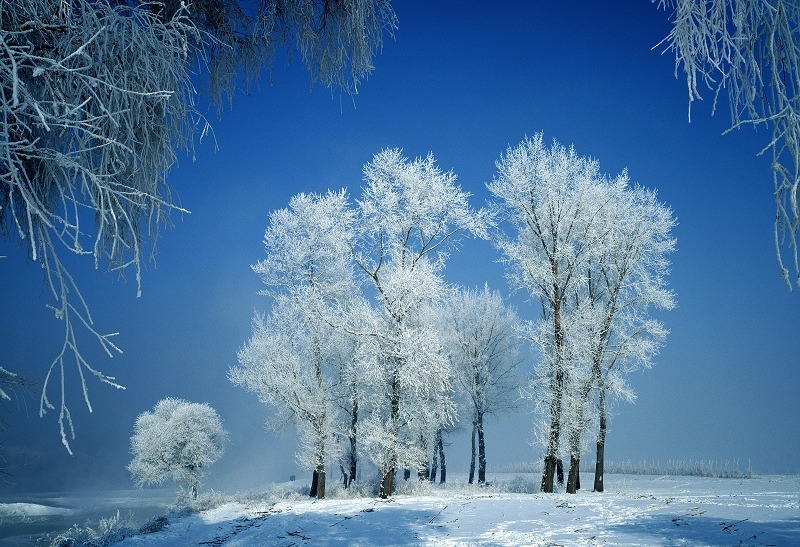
<point x="387" y="481"/>
<point x="320" y="473"/>
<point x="353" y="445"/>
<point x="423" y="473"/>
<point x="314" y="484"/>
<point x="472" y="457"/>
<point x="481" y="451"/>
<point x="548" y="474"/>
<point x="574" y="479"/>
<point x="443" y="476"/>
<point x="435" y="464"/>
<point x="558" y="391"/>
<point x="601" y="445"/>
<point x="387" y="484"/>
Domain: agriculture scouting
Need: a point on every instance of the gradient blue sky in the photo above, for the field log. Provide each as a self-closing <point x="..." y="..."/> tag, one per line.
<point x="464" y="81"/>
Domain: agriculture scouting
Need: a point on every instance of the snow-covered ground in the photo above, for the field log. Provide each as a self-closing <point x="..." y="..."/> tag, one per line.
<point x="635" y="510"/>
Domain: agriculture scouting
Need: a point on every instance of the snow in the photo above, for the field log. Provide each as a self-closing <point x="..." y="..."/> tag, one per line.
<point x="635" y="510"/>
<point x="28" y="510"/>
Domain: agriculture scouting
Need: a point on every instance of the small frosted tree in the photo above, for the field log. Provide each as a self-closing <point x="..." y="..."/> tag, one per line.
<point x="614" y="332"/>
<point x="629" y="280"/>
<point x="483" y="344"/>
<point x="177" y="440"/>
<point x="749" y="50"/>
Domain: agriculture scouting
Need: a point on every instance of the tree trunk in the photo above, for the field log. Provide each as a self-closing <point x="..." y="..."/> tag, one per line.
<point x="472" y="458"/>
<point x="435" y="464"/>
<point x="574" y="479"/>
<point x="352" y="438"/>
<point x="481" y="451"/>
<point x="601" y="445"/>
<point x="320" y="472"/>
<point x="314" y="484"/>
<point x="443" y="477"/>
<point x="387" y="483"/>
<point x="548" y="473"/>
<point x="423" y="473"/>
<point x="557" y="395"/>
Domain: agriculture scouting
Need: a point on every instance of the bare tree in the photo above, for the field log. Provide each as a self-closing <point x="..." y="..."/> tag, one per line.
<point x="483" y="343"/>
<point x="97" y="99"/>
<point x="750" y="51"/>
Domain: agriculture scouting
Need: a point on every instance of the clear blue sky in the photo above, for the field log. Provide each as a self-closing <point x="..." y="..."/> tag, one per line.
<point x="465" y="82"/>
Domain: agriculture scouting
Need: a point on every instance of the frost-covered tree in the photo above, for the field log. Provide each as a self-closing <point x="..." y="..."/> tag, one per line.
<point x="295" y="357"/>
<point x="409" y="369"/>
<point x="177" y="440"/>
<point x="551" y="199"/>
<point x="629" y="281"/>
<point x="97" y="98"/>
<point x="410" y="215"/>
<point x="623" y="283"/>
<point x="594" y="251"/>
<point x="749" y="50"/>
<point x="483" y="343"/>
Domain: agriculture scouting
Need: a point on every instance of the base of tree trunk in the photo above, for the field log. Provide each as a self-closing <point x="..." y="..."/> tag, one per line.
<point x="320" y="484"/>
<point x="548" y="475"/>
<point x="314" y="484"/>
<point x="574" y="479"/>
<point x="387" y="483"/>
<point x="598" y="467"/>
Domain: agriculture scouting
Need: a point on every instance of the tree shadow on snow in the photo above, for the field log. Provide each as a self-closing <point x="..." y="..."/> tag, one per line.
<point x="699" y="530"/>
<point x="376" y="525"/>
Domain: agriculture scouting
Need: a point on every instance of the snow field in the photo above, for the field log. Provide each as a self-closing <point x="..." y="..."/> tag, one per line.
<point x="636" y="510"/>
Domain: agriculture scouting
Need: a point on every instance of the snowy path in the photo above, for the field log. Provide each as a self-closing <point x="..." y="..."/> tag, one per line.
<point x="635" y="511"/>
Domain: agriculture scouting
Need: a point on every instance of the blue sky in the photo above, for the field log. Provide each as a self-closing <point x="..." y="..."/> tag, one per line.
<point x="463" y="82"/>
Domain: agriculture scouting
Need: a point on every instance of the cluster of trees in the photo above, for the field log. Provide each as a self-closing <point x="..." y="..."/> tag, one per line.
<point x="354" y="350"/>
<point x="593" y="250"/>
<point x="97" y="99"/>
<point x="368" y="351"/>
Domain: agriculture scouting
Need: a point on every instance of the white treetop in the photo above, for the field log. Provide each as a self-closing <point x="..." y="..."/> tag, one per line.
<point x="176" y="440"/>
